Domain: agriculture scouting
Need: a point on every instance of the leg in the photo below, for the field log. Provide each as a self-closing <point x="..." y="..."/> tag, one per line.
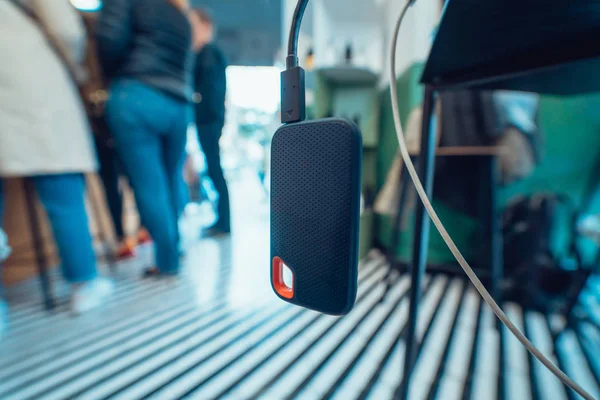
<point x="421" y="244"/>
<point x="146" y="171"/>
<point x="103" y="236"/>
<point x="136" y="116"/>
<point x="174" y="159"/>
<point x="209" y="136"/>
<point x="184" y="194"/>
<point x="109" y="174"/>
<point x="63" y="199"/>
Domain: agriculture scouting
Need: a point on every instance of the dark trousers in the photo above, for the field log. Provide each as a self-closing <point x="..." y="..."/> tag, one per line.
<point x="109" y="174"/>
<point x="209" y="135"/>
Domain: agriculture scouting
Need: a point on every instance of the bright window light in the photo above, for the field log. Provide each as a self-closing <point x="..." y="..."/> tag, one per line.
<point x="87" y="5"/>
<point x="254" y="88"/>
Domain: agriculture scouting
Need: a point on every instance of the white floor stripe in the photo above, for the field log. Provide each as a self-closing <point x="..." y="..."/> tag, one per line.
<point x="433" y="348"/>
<point x="549" y="387"/>
<point x="591" y="341"/>
<point x="487" y="369"/>
<point x="255" y="382"/>
<point x="225" y="357"/>
<point x="83" y="346"/>
<point x="517" y="363"/>
<point x="460" y="350"/>
<point x="40" y="343"/>
<point x="223" y="381"/>
<point x="96" y="324"/>
<point x="316" y="355"/>
<point x="391" y="376"/>
<point x="150" y="294"/>
<point x="381" y="393"/>
<point x="574" y="362"/>
<point x="171" y="350"/>
<point x="355" y="344"/>
<point x="362" y="373"/>
<point x="212" y="389"/>
<point x="154" y="341"/>
<point x="450" y="388"/>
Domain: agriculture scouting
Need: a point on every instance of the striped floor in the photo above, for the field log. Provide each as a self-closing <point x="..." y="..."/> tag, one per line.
<point x="218" y="333"/>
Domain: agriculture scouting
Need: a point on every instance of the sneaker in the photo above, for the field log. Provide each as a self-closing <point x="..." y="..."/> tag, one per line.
<point x="154" y="272"/>
<point x="126" y="249"/>
<point x="216" y="232"/>
<point x="3" y="317"/>
<point x="90" y="295"/>
<point x="144" y="237"/>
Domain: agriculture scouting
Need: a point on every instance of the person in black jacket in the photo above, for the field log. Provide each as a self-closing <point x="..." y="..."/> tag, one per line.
<point x="144" y="47"/>
<point x="210" y="87"/>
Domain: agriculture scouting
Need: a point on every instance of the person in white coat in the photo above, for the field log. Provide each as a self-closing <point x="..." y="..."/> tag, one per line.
<point x="44" y="132"/>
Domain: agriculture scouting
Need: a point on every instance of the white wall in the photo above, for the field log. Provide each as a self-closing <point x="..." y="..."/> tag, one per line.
<point x="305" y="41"/>
<point x="368" y="25"/>
<point x="415" y="37"/>
<point x="366" y="40"/>
<point x="338" y="23"/>
<point x="322" y="33"/>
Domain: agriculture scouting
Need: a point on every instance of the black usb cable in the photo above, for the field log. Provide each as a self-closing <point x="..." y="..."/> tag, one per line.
<point x="293" y="90"/>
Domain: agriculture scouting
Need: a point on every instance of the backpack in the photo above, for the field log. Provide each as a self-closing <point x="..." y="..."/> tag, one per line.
<point x="537" y="275"/>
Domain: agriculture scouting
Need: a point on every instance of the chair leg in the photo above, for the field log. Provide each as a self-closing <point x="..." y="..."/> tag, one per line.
<point x="494" y="227"/>
<point x="38" y="244"/>
<point x="421" y="244"/>
<point x="498" y="240"/>
<point x="494" y="231"/>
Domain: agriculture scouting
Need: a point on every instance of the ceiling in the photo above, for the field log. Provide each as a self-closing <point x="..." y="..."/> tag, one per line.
<point x="249" y="31"/>
<point x="354" y="10"/>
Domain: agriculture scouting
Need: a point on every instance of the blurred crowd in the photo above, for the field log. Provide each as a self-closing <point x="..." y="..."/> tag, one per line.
<point x="113" y="93"/>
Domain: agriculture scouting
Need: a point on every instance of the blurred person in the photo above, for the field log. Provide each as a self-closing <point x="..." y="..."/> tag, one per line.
<point x="96" y="95"/>
<point x="210" y="85"/>
<point x="45" y="135"/>
<point x="144" y="49"/>
<point x="110" y="175"/>
<point x="109" y="171"/>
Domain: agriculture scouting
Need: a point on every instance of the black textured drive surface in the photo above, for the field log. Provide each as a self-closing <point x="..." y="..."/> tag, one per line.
<point x="315" y="210"/>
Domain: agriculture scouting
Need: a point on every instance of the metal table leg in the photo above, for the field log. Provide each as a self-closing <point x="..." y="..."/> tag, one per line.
<point x="421" y="243"/>
<point x="496" y="258"/>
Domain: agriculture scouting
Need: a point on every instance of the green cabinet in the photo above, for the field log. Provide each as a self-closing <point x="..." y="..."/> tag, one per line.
<point x="349" y="92"/>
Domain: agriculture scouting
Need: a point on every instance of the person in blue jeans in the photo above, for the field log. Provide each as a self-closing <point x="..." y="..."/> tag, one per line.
<point x="149" y="130"/>
<point x="44" y="132"/>
<point x="147" y="58"/>
<point x="63" y="198"/>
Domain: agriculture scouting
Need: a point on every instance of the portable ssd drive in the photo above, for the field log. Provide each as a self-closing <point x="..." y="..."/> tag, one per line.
<point x="316" y="171"/>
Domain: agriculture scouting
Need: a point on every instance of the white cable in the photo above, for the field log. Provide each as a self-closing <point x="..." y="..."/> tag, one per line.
<point x="451" y="245"/>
